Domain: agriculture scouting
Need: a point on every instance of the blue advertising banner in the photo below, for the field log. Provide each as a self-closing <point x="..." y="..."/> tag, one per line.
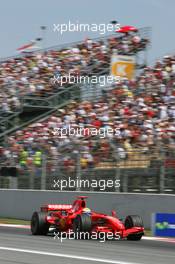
<point x="163" y="224"/>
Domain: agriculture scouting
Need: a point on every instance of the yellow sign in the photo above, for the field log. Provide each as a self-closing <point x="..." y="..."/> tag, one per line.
<point x="123" y="66"/>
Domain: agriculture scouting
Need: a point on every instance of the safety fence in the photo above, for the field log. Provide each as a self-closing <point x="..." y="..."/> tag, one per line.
<point x="151" y="172"/>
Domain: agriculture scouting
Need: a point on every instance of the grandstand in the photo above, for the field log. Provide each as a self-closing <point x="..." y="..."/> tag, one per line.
<point x="26" y="80"/>
<point x="141" y="153"/>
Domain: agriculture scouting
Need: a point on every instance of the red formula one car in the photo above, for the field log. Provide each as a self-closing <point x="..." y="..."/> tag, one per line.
<point x="78" y="218"/>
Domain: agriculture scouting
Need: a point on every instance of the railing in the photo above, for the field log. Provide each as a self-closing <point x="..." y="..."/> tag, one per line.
<point x="53" y="101"/>
<point x="139" y="172"/>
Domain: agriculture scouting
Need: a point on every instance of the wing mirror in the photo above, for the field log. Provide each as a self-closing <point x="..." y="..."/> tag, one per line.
<point x="114" y="214"/>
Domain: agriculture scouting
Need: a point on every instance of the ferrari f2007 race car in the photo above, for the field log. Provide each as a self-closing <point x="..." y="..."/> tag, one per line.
<point x="78" y="218"/>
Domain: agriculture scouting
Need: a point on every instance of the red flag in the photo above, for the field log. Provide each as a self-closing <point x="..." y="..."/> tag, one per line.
<point x="26" y="46"/>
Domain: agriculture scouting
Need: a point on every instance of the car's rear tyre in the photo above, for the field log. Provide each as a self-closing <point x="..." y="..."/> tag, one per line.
<point x="134" y="221"/>
<point x="82" y="223"/>
<point x="39" y="226"/>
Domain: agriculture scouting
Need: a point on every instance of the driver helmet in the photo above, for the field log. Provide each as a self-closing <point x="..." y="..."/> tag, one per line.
<point x="86" y="210"/>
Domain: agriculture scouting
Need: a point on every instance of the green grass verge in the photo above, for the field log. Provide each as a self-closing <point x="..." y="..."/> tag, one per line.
<point x="148" y="233"/>
<point x="12" y="221"/>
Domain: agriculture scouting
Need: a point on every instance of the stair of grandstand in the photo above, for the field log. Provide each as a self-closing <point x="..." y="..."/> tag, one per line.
<point x="35" y="109"/>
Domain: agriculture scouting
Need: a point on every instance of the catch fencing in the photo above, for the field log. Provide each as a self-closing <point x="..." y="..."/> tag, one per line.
<point x="77" y="170"/>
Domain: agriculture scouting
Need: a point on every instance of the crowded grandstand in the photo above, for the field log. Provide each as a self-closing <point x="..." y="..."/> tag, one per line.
<point x="140" y="110"/>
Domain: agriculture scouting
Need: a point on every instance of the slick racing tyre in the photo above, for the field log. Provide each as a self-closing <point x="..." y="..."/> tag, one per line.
<point x="82" y="223"/>
<point x="38" y="224"/>
<point x="134" y="221"/>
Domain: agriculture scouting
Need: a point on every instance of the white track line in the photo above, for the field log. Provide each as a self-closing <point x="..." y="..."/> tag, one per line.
<point x="15" y="226"/>
<point x="64" y="255"/>
<point x="164" y="239"/>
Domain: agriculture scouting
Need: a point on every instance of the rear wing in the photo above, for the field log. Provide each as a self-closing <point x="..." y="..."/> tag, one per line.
<point x="55" y="207"/>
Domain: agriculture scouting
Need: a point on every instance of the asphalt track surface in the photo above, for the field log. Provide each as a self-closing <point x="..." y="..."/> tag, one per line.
<point x="20" y="247"/>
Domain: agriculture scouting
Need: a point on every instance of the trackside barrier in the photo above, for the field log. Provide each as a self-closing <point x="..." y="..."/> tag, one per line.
<point x="21" y="203"/>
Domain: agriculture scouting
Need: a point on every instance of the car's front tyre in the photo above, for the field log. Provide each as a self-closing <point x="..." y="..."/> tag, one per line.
<point x="134" y="221"/>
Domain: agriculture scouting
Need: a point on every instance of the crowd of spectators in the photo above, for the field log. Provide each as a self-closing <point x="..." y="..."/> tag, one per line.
<point x="140" y="111"/>
<point x="9" y="100"/>
<point x="32" y="74"/>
